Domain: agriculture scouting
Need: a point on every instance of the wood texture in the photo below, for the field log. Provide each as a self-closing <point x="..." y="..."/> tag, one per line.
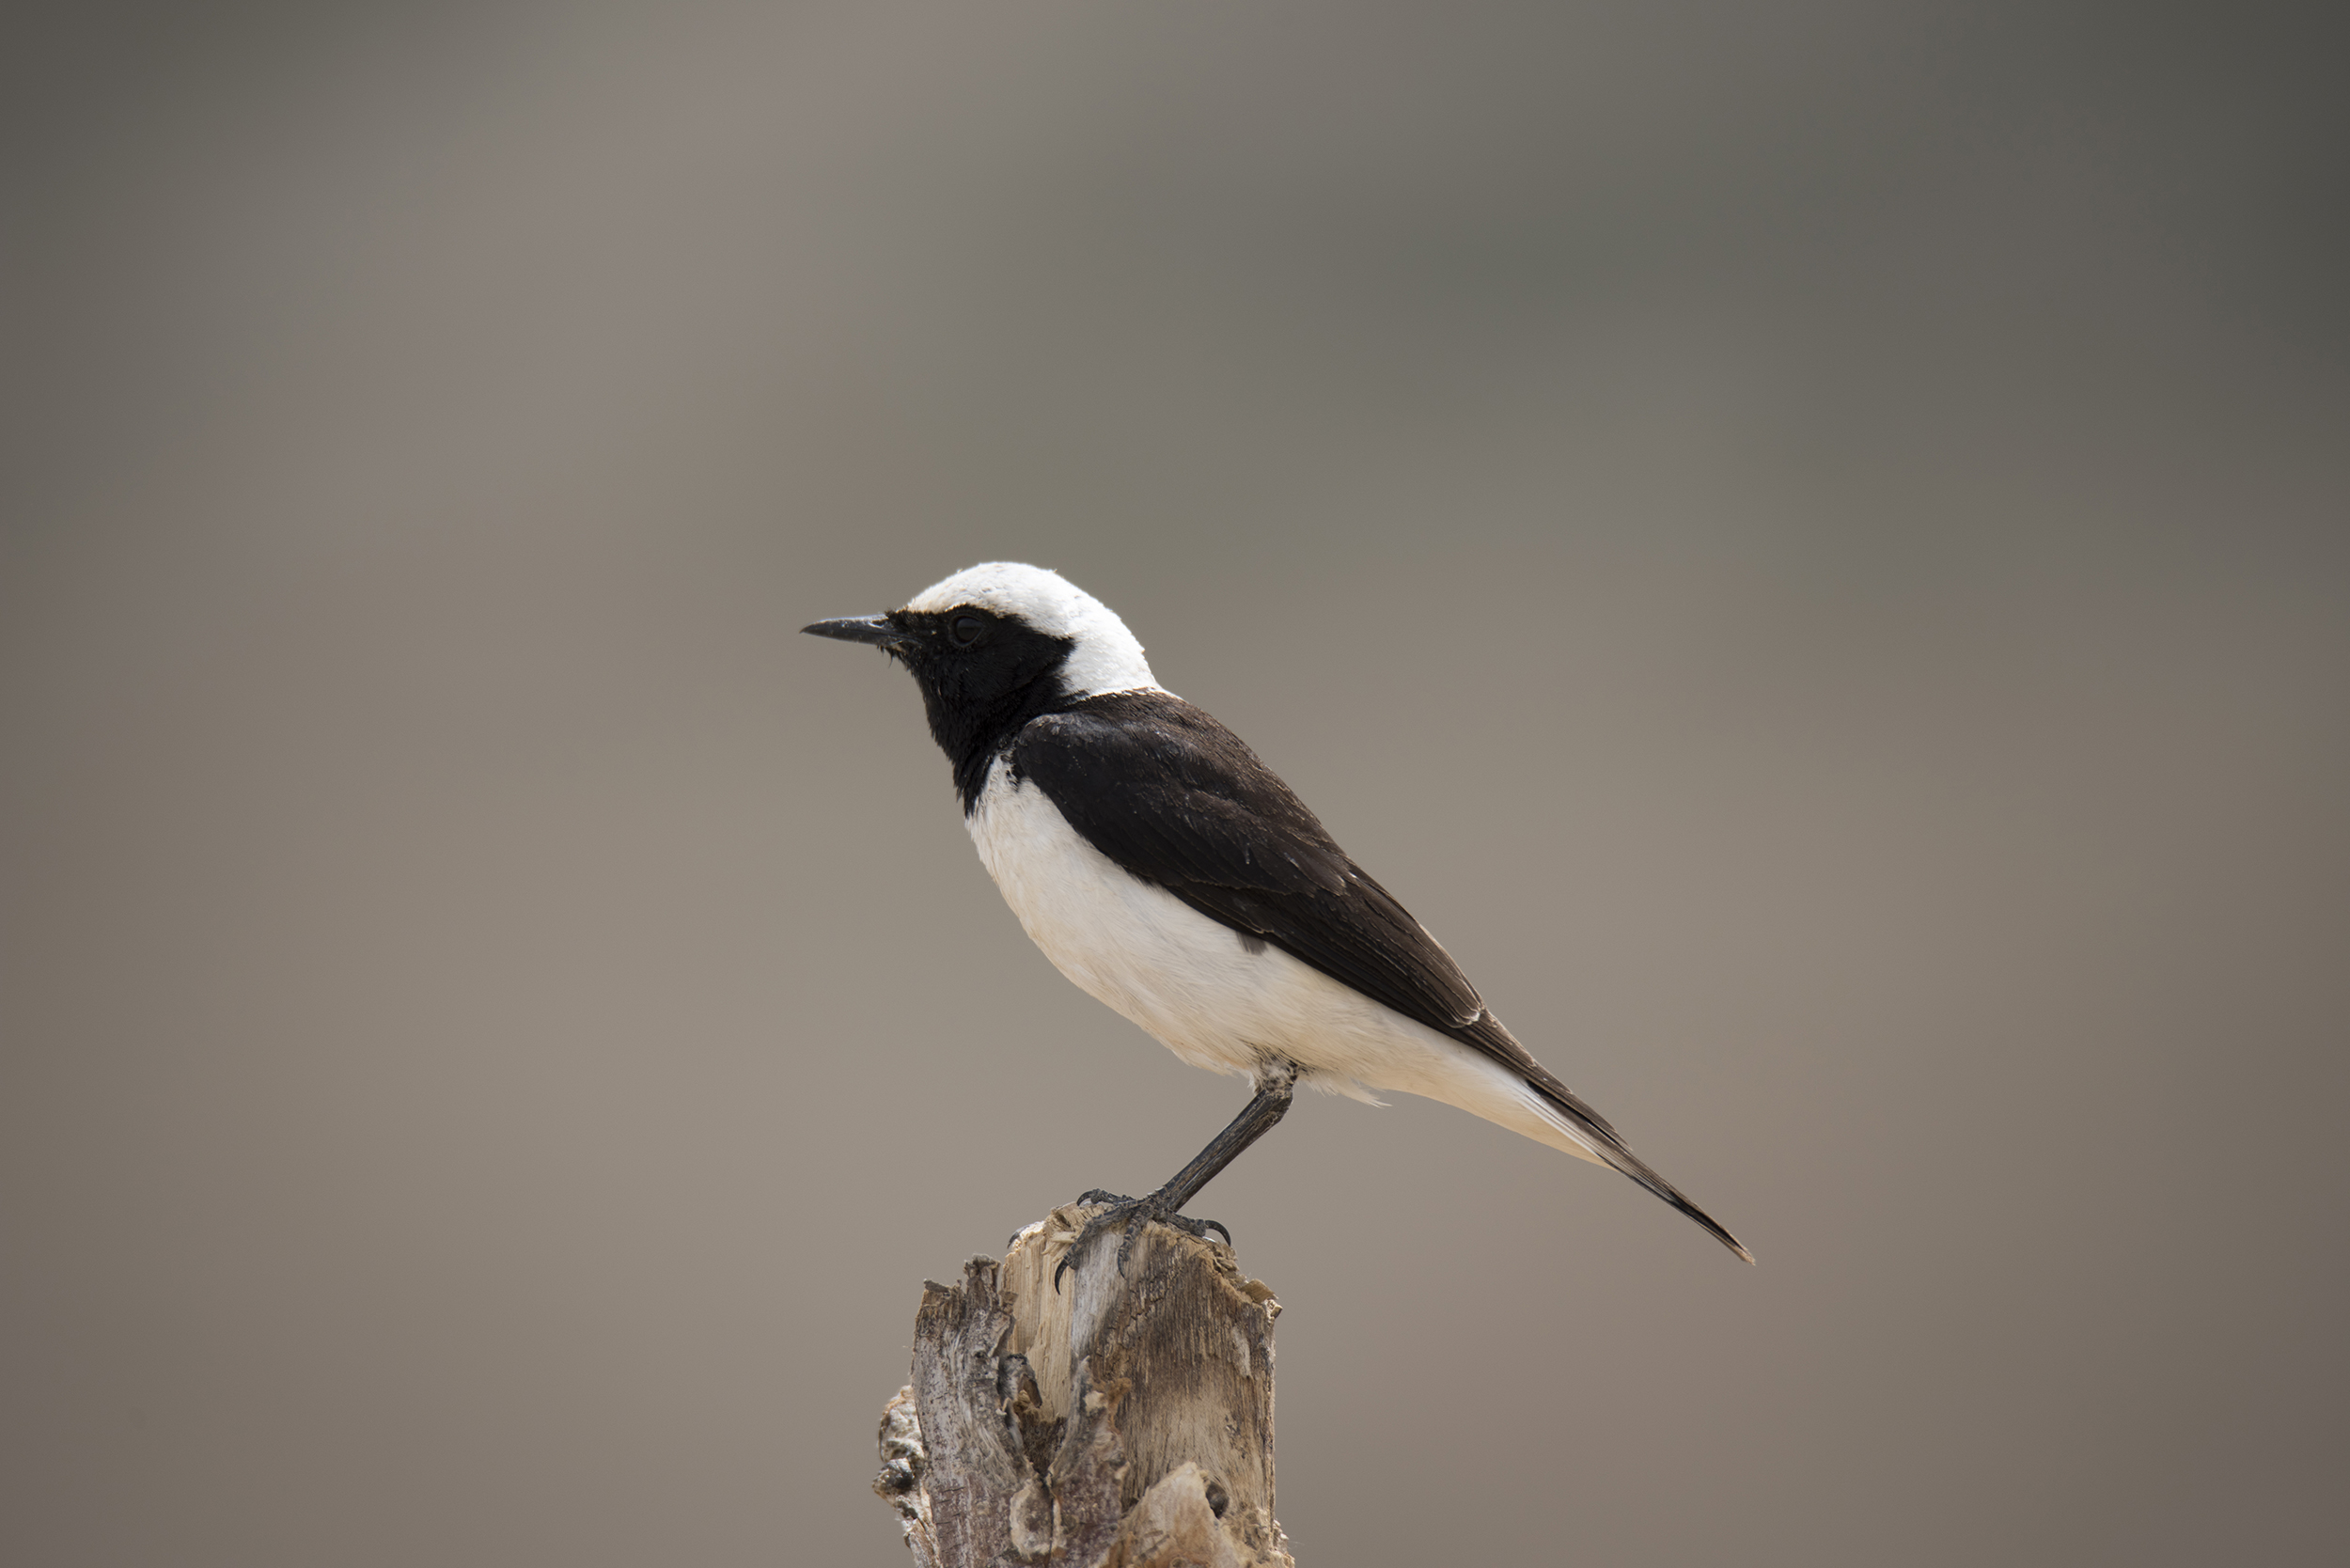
<point x="1122" y="1422"/>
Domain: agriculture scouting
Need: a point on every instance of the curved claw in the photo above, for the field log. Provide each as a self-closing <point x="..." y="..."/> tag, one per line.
<point x="1090" y="1197"/>
<point x="1136" y="1212"/>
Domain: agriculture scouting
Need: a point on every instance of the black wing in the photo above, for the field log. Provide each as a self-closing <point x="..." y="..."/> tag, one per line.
<point x="1179" y="802"/>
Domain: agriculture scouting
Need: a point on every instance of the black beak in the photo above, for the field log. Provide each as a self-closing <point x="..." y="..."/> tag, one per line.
<point x="861" y="627"/>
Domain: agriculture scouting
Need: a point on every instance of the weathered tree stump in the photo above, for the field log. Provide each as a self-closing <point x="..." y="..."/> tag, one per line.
<point x="1122" y="1422"/>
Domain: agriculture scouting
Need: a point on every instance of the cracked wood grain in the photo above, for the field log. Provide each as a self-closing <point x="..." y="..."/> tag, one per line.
<point x="1124" y="1422"/>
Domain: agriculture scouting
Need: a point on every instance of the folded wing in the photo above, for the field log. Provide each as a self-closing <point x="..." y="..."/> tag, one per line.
<point x="1179" y="801"/>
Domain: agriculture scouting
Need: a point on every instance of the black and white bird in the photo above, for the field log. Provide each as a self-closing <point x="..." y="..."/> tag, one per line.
<point x="1171" y="874"/>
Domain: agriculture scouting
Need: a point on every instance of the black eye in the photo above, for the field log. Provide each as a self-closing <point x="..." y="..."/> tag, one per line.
<point x="965" y="630"/>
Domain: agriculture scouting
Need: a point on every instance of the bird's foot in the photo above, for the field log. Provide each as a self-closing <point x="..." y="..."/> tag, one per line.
<point x="1132" y="1213"/>
<point x="1135" y="1210"/>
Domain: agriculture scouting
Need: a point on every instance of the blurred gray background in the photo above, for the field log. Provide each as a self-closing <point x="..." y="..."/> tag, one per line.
<point x="1805" y="541"/>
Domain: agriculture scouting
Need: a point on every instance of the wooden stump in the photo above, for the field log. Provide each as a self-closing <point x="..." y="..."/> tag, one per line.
<point x="1122" y="1422"/>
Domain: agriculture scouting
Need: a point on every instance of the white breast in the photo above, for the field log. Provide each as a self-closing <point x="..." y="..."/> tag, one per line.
<point x="1189" y="984"/>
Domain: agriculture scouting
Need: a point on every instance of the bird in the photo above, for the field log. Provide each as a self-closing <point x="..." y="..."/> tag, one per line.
<point x="1171" y="874"/>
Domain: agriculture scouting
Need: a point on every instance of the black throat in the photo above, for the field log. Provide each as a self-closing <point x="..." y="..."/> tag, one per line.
<point x="979" y="698"/>
<point x="973" y="741"/>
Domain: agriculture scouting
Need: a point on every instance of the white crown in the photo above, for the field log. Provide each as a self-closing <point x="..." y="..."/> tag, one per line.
<point x="1105" y="658"/>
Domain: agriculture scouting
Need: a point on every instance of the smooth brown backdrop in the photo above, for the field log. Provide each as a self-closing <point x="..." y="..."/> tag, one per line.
<point x="1805" y="541"/>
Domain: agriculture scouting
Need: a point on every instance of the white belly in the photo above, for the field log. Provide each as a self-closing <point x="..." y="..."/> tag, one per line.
<point x="1189" y="984"/>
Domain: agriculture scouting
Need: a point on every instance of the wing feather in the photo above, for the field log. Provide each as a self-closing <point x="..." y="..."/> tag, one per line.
<point x="1179" y="801"/>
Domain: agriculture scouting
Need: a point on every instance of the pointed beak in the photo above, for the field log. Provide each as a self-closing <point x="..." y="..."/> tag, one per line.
<point x="871" y="629"/>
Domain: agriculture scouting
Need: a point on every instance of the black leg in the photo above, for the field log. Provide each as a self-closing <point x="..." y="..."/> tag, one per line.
<point x="1276" y="1087"/>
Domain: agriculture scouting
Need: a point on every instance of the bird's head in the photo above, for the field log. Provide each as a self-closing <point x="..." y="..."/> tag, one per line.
<point x="997" y="643"/>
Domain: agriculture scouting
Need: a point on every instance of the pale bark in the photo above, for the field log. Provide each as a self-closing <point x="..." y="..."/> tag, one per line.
<point x="1124" y="1421"/>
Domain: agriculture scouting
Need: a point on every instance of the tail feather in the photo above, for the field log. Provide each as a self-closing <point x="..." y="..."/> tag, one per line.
<point x="1639" y="1169"/>
<point x="1588" y="1128"/>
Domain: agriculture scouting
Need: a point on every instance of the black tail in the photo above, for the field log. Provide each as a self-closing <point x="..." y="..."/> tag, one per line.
<point x="1586" y="1125"/>
<point x="1603" y="1140"/>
